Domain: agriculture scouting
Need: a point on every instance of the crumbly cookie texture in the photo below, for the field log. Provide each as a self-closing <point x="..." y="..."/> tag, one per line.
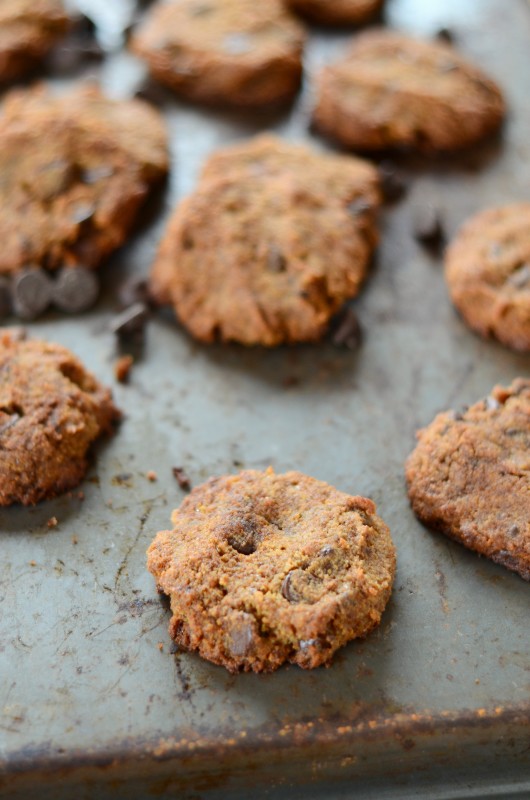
<point x="51" y="411"/>
<point x="487" y="268"/>
<point x="224" y="52"/>
<point x="263" y="568"/>
<point x="270" y="245"/>
<point x="394" y="91"/>
<point x="338" y="12"/>
<point x="28" y="31"/>
<point x="469" y="476"/>
<point x="75" y="169"/>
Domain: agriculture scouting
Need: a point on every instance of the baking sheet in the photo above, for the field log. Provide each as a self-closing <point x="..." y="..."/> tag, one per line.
<point x="435" y="703"/>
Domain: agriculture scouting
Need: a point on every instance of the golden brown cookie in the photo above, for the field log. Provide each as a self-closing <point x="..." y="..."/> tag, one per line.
<point x="28" y="30"/>
<point x="336" y="12"/>
<point x="51" y="411"/>
<point x="263" y="568"/>
<point x="74" y="172"/>
<point x="224" y="52"/>
<point x="469" y="476"/>
<point x="392" y="90"/>
<point x="487" y="268"/>
<point x="269" y="246"/>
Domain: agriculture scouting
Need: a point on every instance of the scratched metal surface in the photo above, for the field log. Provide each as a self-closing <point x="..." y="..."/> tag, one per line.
<point x="434" y="703"/>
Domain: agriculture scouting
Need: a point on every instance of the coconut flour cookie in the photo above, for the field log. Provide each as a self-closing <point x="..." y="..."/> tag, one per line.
<point x="232" y="52"/>
<point x="336" y="12"/>
<point x="263" y="568"/>
<point x="74" y="171"/>
<point x="487" y="270"/>
<point x="51" y="411"/>
<point x="269" y="246"/>
<point x="392" y="91"/>
<point x="28" y="30"/>
<point x="469" y="476"/>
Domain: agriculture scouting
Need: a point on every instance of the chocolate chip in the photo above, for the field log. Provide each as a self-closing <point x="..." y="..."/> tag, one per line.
<point x="5" y="298"/>
<point x="131" y="321"/>
<point x="513" y="530"/>
<point x="241" y="535"/>
<point x="393" y="183"/>
<point x="347" y="331"/>
<point x="32" y="293"/>
<point x="241" y="636"/>
<point x="327" y="550"/>
<point x="287" y="590"/>
<point x="427" y="225"/>
<point x="445" y="35"/>
<point x="134" y="290"/>
<point x="275" y="259"/>
<point x="521" y="277"/>
<point x="53" y="179"/>
<point x="182" y="478"/>
<point x="76" y="289"/>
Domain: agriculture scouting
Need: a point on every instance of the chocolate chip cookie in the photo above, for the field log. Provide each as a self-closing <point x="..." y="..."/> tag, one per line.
<point x="269" y="246"/>
<point x="51" y="411"/>
<point x="263" y="568"/>
<point x="487" y="269"/>
<point x="74" y="171"/>
<point x="224" y="52"/>
<point x="392" y="90"/>
<point x="337" y="12"/>
<point x="469" y="476"/>
<point x="28" y="31"/>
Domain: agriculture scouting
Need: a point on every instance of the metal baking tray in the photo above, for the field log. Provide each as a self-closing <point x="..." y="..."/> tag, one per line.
<point x="436" y="702"/>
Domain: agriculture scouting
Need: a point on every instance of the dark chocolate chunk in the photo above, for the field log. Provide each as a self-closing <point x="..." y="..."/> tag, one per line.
<point x="131" y="321"/>
<point x="182" y="478"/>
<point x="32" y="293"/>
<point x="83" y="212"/>
<point x="427" y="225"/>
<point x="76" y="289"/>
<point x="5" y="297"/>
<point x="521" y="277"/>
<point x="445" y="35"/>
<point x="347" y="331"/>
<point x="393" y="183"/>
<point x="134" y="290"/>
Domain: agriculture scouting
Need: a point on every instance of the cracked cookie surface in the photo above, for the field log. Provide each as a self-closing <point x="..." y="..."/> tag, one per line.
<point x="263" y="568"/>
<point x="469" y="476"/>
<point x="231" y="52"/>
<point x="338" y="12"/>
<point x="487" y="268"/>
<point x="28" y="31"/>
<point x="392" y="90"/>
<point x="51" y="411"/>
<point x="272" y="242"/>
<point x="74" y="171"/>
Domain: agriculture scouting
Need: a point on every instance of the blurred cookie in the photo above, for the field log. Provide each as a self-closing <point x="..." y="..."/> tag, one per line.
<point x="469" y="476"/>
<point x="224" y="52"/>
<point x="263" y="568"/>
<point x="28" y="30"/>
<point x="392" y="90"/>
<point x="269" y="246"/>
<point x="487" y="270"/>
<point x="336" y="12"/>
<point x="75" y="170"/>
<point x="51" y="411"/>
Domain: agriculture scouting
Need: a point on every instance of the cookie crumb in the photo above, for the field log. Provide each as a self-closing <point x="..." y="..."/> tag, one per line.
<point x="182" y="478"/>
<point x="81" y="495"/>
<point x="52" y="522"/>
<point x="74" y="539"/>
<point x="161" y="646"/>
<point x="122" y="368"/>
<point x="33" y="563"/>
<point x="151" y="476"/>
